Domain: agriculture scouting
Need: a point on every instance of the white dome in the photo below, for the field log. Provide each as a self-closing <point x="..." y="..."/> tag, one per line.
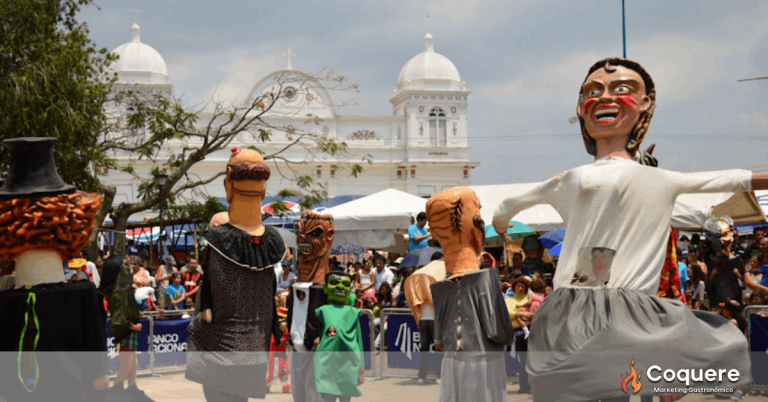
<point x="429" y="68"/>
<point x="139" y="62"/>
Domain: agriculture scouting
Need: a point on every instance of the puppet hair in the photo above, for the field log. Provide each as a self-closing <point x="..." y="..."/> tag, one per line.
<point x="60" y="223"/>
<point x="248" y="171"/>
<point x="638" y="132"/>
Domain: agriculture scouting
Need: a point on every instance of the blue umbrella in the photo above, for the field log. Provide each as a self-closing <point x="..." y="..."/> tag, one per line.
<point x="552" y="238"/>
<point x="419" y="257"/>
<point x="518" y="231"/>
<point x="555" y="250"/>
<point x="348" y="249"/>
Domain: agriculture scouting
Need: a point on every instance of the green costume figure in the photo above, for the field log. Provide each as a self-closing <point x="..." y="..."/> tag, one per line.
<point x="339" y="357"/>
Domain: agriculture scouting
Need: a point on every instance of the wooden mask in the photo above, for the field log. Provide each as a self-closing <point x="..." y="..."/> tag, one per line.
<point x="314" y="239"/>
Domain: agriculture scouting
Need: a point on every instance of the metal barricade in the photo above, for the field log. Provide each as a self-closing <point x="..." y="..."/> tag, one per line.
<point x="383" y="355"/>
<point x="371" y="339"/>
<point x="152" y="371"/>
<point x="748" y="311"/>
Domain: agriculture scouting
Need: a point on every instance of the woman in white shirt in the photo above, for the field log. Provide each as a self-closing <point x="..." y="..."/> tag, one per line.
<point x="365" y="279"/>
<point x="603" y="315"/>
<point x="284" y="282"/>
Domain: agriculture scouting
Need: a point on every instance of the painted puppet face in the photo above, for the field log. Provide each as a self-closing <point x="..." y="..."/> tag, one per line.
<point x="314" y="239"/>
<point x="612" y="102"/>
<point x="337" y="288"/>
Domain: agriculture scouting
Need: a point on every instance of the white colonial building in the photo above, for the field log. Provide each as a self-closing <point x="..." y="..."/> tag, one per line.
<point x="422" y="148"/>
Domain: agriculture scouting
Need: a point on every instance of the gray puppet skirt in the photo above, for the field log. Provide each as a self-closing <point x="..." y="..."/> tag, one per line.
<point x="583" y="343"/>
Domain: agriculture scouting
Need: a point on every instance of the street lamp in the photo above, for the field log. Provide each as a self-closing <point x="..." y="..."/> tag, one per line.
<point x="161" y="179"/>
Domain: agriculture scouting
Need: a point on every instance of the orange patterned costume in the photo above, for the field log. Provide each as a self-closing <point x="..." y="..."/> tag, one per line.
<point x="669" y="285"/>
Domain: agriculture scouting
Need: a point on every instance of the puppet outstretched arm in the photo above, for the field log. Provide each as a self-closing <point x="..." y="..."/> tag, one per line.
<point x="547" y="192"/>
<point x="760" y="181"/>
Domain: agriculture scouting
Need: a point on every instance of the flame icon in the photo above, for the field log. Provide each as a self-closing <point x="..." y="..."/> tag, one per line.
<point x="634" y="377"/>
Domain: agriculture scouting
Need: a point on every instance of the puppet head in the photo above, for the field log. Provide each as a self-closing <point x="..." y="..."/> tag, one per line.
<point x="247" y="175"/>
<point x="38" y="212"/>
<point x="617" y="98"/>
<point x="454" y="220"/>
<point x="314" y="239"/>
<point x="719" y="233"/>
<point x="337" y="287"/>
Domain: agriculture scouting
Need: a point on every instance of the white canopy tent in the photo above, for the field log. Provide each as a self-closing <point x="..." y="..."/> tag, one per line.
<point x="690" y="212"/>
<point x="373" y="221"/>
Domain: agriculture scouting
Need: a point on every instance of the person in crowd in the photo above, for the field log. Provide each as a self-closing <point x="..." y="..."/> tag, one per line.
<point x="487" y="261"/>
<point x="400" y="299"/>
<point x="763" y="246"/>
<point x="682" y="268"/>
<point x="92" y="270"/>
<point x="757" y="236"/>
<point x="384" y="299"/>
<point x="736" y="246"/>
<point x="285" y="280"/>
<point x="727" y="271"/>
<point x="359" y="297"/>
<point x="366" y="279"/>
<point x="354" y="269"/>
<point x="684" y="243"/>
<point x="534" y="251"/>
<point x="131" y="248"/>
<point x="694" y="257"/>
<point x="152" y="281"/>
<point x="162" y="276"/>
<point x="162" y="247"/>
<point x="418" y="233"/>
<point x="143" y="252"/>
<point x="516" y="306"/>
<point x="125" y="324"/>
<point x="277" y="354"/>
<point x="757" y="299"/>
<point x="538" y="293"/>
<point x="140" y="275"/>
<point x="731" y="310"/>
<point x="753" y="270"/>
<point x="382" y="274"/>
<point x="696" y="287"/>
<point x="175" y="292"/>
<point x="190" y="278"/>
<point x="514" y="272"/>
<point x="762" y="272"/>
<point x="696" y="241"/>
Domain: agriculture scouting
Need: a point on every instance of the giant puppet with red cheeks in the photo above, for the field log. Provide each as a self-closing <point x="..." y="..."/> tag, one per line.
<point x="52" y="339"/>
<point x="314" y="238"/>
<point x="229" y="340"/>
<point x="584" y="333"/>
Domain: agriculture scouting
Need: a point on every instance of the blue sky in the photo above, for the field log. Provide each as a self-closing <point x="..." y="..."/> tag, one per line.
<point x="523" y="61"/>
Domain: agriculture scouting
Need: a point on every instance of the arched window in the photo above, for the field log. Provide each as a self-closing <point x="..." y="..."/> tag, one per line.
<point x="437" y="133"/>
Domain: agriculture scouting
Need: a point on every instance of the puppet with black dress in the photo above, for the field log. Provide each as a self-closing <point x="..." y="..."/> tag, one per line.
<point x="44" y="223"/>
<point x="472" y="325"/>
<point x="314" y="238"/>
<point x="229" y="341"/>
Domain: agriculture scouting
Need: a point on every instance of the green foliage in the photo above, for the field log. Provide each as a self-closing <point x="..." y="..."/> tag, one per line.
<point x="194" y="209"/>
<point x="53" y="82"/>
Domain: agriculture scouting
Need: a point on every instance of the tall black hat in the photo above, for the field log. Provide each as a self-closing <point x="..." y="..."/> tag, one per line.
<point x="32" y="172"/>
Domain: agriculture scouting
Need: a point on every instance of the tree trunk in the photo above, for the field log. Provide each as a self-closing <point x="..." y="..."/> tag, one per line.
<point x="92" y="250"/>
<point x="120" y="221"/>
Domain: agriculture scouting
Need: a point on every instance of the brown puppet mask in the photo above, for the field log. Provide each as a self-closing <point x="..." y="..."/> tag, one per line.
<point x="617" y="99"/>
<point x="454" y="220"/>
<point x="314" y="239"/>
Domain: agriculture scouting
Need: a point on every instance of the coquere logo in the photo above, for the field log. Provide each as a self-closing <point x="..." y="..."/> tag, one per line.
<point x="634" y="377"/>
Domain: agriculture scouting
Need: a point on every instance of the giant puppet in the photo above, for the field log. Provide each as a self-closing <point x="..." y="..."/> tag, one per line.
<point x="587" y="334"/>
<point x="472" y="325"/>
<point x="314" y="238"/>
<point x="229" y="340"/>
<point x="339" y="356"/>
<point x="43" y="223"/>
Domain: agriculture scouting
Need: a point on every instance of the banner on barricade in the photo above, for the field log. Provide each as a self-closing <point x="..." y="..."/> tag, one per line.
<point x="365" y="326"/>
<point x="170" y="341"/>
<point x="759" y="345"/>
<point x="141" y="355"/>
<point x="403" y="344"/>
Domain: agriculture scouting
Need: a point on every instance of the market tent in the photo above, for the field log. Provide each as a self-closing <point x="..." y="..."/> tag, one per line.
<point x="690" y="211"/>
<point x="373" y="221"/>
<point x="292" y="204"/>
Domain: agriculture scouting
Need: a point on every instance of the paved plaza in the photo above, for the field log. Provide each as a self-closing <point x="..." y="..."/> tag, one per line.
<point x="174" y="388"/>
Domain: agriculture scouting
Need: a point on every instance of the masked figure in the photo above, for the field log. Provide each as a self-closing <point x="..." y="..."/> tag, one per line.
<point x="229" y="341"/>
<point x="585" y="332"/>
<point x="471" y="321"/>
<point x="314" y="239"/>
<point x="44" y="223"/>
<point x="723" y="284"/>
<point x="339" y="356"/>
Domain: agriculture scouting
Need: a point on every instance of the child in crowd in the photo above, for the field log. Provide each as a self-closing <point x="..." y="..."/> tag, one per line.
<point x="696" y="289"/>
<point x="176" y="292"/>
<point x="277" y="352"/>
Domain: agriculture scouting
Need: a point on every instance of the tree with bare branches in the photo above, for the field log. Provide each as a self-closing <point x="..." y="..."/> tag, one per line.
<point x="159" y="133"/>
